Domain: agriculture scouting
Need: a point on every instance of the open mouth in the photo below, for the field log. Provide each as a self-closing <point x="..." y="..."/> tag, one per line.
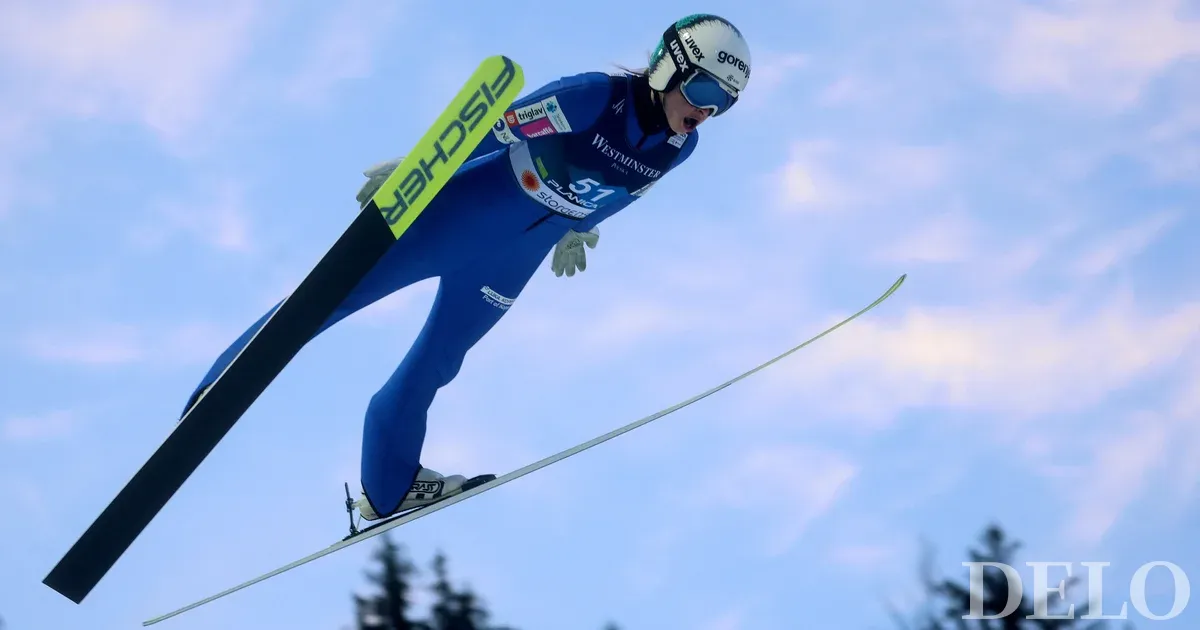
<point x="690" y="123"/>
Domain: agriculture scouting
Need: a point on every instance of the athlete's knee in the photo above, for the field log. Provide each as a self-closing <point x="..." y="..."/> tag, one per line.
<point x="438" y="361"/>
<point x="449" y="363"/>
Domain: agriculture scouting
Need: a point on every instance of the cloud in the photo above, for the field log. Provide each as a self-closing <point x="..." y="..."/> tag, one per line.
<point x="770" y="73"/>
<point x="909" y="167"/>
<point x="460" y="443"/>
<point x="1122" y="245"/>
<point x="975" y="246"/>
<point x="1187" y="403"/>
<point x="863" y="556"/>
<point x="848" y="89"/>
<point x="399" y="306"/>
<point x="27" y="498"/>
<point x="947" y="238"/>
<point x="823" y="175"/>
<point x="1116" y="475"/>
<point x="1170" y="146"/>
<point x="1018" y="359"/>
<point x="343" y="49"/>
<point x="1179" y="417"/>
<point x="728" y="620"/>
<point x="16" y="141"/>
<point x="805" y="182"/>
<point x="162" y="65"/>
<point x="794" y="484"/>
<point x="37" y="428"/>
<point x="1011" y="368"/>
<point x="648" y="565"/>
<point x="102" y="344"/>
<point x="606" y="328"/>
<point x="622" y="325"/>
<point x="1103" y="51"/>
<point x="189" y="343"/>
<point x="221" y="221"/>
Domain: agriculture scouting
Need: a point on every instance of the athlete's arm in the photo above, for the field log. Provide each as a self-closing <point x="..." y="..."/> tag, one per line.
<point x="569" y="105"/>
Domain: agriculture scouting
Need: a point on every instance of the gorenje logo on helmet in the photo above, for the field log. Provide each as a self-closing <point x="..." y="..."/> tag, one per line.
<point x="693" y="46"/>
<point x="731" y="59"/>
<point x="680" y="59"/>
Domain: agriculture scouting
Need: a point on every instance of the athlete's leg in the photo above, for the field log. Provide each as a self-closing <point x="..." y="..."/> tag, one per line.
<point x="469" y="302"/>
<point x="436" y="243"/>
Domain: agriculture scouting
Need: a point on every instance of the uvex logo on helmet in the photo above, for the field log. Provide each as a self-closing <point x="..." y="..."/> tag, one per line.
<point x="694" y="47"/>
<point x="729" y="58"/>
<point x="681" y="61"/>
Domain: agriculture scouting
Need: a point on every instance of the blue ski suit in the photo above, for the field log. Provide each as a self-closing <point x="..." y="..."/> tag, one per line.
<point x="562" y="158"/>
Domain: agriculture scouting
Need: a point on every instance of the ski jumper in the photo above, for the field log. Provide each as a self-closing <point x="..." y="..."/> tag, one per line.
<point x="562" y="158"/>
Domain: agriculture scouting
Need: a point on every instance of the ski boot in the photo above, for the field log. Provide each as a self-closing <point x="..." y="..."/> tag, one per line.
<point x="428" y="488"/>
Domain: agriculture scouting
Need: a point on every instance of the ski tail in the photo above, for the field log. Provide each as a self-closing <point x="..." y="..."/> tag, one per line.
<point x="382" y="220"/>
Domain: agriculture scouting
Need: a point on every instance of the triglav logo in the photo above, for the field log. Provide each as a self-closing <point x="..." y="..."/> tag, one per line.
<point x="1042" y="592"/>
<point x="523" y="115"/>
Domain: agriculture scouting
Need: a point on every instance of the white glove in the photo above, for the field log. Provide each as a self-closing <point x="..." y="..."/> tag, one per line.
<point x="376" y="175"/>
<point x="570" y="255"/>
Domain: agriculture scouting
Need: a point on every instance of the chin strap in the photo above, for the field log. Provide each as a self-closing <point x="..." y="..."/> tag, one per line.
<point x="649" y="106"/>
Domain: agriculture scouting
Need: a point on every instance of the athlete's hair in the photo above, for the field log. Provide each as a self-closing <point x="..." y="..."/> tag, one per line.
<point x="633" y="72"/>
<point x="644" y="71"/>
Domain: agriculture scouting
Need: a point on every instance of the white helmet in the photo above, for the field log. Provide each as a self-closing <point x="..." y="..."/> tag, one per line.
<point x="707" y="56"/>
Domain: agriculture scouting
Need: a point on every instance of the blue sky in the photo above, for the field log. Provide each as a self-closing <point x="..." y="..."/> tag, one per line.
<point x="169" y="171"/>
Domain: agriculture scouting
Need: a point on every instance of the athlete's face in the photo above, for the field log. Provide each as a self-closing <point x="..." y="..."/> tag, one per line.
<point x="682" y="115"/>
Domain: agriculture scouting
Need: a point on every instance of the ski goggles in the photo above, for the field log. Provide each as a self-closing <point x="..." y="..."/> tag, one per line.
<point x="704" y="91"/>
